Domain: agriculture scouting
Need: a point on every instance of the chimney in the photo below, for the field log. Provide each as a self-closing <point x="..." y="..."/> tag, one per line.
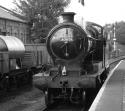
<point x="68" y="16"/>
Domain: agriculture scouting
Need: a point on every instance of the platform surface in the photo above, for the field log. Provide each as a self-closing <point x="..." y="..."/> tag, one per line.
<point x="111" y="96"/>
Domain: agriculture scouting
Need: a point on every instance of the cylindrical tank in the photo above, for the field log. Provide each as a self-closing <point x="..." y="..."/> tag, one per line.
<point x="12" y="45"/>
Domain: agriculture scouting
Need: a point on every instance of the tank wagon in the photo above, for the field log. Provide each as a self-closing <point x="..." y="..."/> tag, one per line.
<point x="79" y="61"/>
<point x="12" y="74"/>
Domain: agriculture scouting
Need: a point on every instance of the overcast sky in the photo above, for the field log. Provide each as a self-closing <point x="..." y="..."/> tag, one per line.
<point x="98" y="11"/>
<point x="7" y="3"/>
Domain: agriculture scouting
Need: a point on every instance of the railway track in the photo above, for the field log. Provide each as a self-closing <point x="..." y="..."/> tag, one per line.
<point x="31" y="99"/>
<point x="67" y="107"/>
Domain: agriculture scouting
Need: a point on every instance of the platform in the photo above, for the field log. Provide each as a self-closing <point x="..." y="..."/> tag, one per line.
<point x="111" y="96"/>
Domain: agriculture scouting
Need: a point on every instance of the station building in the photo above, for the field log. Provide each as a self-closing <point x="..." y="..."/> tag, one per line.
<point x="11" y="25"/>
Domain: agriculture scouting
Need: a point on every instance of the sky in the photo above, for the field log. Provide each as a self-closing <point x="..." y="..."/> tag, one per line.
<point x="7" y="3"/>
<point x="98" y="11"/>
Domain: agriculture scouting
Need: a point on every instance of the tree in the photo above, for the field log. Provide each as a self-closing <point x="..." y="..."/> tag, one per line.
<point x="119" y="31"/>
<point x="41" y="15"/>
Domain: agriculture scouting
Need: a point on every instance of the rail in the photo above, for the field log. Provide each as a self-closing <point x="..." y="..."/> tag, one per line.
<point x="111" y="61"/>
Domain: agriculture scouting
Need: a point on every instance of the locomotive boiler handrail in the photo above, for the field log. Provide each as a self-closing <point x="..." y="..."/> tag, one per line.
<point x="103" y="39"/>
<point x="93" y="38"/>
<point x="94" y="24"/>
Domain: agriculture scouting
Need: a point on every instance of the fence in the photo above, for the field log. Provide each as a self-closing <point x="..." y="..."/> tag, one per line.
<point x="35" y="55"/>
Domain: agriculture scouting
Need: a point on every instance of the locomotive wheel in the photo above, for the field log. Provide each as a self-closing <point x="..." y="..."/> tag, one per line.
<point x="83" y="98"/>
<point x="90" y="95"/>
<point x="48" y="98"/>
<point x="6" y="84"/>
<point x="105" y="74"/>
<point x="30" y="77"/>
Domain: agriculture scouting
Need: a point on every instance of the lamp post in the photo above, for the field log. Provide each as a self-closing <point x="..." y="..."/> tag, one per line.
<point x="115" y="48"/>
<point x="114" y="37"/>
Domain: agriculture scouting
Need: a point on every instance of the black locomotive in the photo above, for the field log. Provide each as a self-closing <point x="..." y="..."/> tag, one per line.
<point x="79" y="61"/>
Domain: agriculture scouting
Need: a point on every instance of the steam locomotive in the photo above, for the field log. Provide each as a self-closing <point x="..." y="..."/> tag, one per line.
<point x="79" y="61"/>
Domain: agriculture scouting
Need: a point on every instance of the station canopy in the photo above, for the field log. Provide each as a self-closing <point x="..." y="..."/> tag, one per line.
<point x="12" y="45"/>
